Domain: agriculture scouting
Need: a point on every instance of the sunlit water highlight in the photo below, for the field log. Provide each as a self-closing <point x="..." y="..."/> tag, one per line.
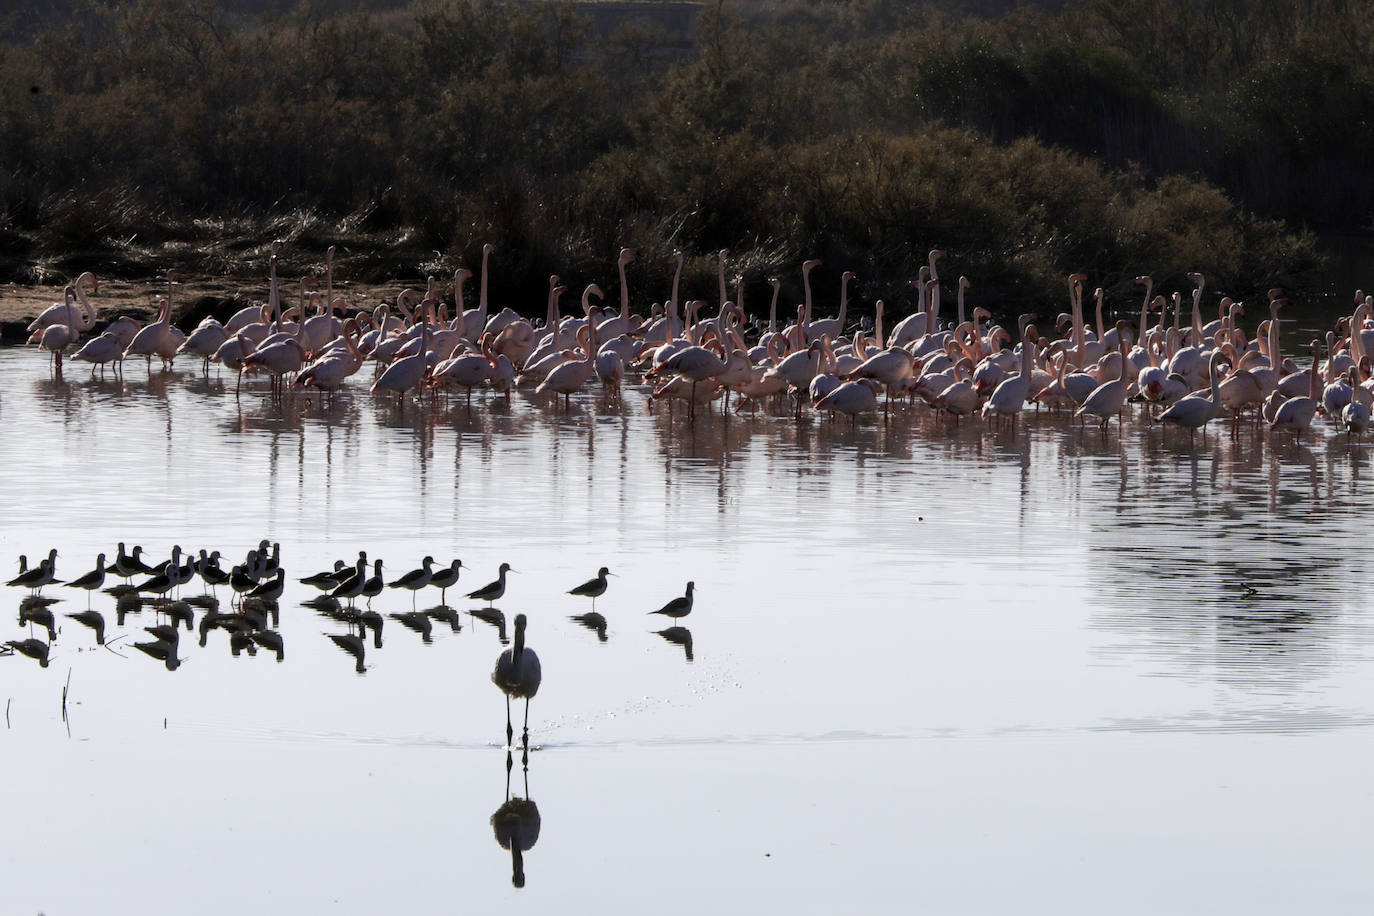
<point x="932" y="668"/>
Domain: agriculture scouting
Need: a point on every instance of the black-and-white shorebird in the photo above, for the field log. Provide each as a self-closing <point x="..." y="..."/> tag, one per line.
<point x="416" y="579"/>
<point x="240" y="581"/>
<point x="373" y="585"/>
<point x="350" y="586"/>
<point x="493" y="590"/>
<point x="129" y="565"/>
<point x="211" y="574"/>
<point x="444" y="579"/>
<point x="91" y="580"/>
<point x="272" y="589"/>
<point x="330" y="579"/>
<point x="593" y="588"/>
<point x="34" y="579"/>
<point x="679" y="607"/>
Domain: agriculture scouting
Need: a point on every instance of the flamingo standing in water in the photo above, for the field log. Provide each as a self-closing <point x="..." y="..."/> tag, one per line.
<point x="1010" y="395"/>
<point x="154" y="339"/>
<point x="1107" y="399"/>
<point x="82" y="315"/>
<point x="1356" y="414"/>
<point x="852" y="398"/>
<point x="517" y="674"/>
<point x="570" y="375"/>
<point x="407" y="372"/>
<point x="1193" y="412"/>
<point x="101" y="350"/>
<point x="55" y="338"/>
<point x="694" y="363"/>
<point x="1296" y="413"/>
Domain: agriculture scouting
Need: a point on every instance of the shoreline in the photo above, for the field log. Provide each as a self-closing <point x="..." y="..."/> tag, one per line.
<point x="194" y="298"/>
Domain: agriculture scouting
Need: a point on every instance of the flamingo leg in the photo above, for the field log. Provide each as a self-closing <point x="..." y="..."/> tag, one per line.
<point x="525" y="737"/>
<point x="510" y="732"/>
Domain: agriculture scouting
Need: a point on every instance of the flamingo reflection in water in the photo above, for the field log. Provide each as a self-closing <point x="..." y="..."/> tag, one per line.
<point x="516" y="825"/>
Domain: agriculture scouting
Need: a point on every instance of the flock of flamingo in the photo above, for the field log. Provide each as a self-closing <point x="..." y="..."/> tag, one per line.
<point x="1186" y="372"/>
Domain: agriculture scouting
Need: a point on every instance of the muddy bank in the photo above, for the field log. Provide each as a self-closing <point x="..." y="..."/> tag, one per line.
<point x="193" y="299"/>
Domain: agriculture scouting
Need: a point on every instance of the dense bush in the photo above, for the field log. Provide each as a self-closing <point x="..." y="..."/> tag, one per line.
<point x="1113" y="137"/>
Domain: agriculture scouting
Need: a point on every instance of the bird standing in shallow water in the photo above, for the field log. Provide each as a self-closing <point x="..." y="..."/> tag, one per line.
<point x="373" y="585"/>
<point x="517" y="674"/>
<point x="444" y="579"/>
<point x="351" y="586"/>
<point x="272" y="589"/>
<point x="92" y="580"/>
<point x="34" y="579"/>
<point x="414" y="580"/>
<point x="129" y="565"/>
<point x="493" y="590"/>
<point x="593" y="588"/>
<point x="679" y="607"/>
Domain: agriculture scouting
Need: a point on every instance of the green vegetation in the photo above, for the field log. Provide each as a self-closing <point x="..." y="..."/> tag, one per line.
<point x="1113" y="137"/>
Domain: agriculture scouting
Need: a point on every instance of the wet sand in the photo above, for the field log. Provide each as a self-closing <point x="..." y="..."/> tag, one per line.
<point x="194" y="298"/>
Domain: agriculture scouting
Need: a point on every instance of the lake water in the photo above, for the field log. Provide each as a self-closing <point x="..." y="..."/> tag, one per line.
<point x="931" y="669"/>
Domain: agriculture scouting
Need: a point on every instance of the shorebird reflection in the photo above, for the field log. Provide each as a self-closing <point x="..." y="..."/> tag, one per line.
<point x="418" y="621"/>
<point x="35" y="649"/>
<point x="445" y="614"/>
<point x="680" y="636"/>
<point x="38" y="614"/>
<point x="93" y="619"/>
<point x="354" y="645"/>
<point x="494" y="617"/>
<point x="594" y="622"/>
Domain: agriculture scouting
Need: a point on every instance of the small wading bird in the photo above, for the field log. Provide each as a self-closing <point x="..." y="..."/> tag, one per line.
<point x="444" y="579"/>
<point x="414" y="580"/>
<point x="679" y="607"/>
<point x="91" y="580"/>
<point x="593" y="588"/>
<point x="493" y="590"/>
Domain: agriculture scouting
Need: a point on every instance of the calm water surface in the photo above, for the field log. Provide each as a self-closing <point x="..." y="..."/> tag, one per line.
<point x="931" y="669"/>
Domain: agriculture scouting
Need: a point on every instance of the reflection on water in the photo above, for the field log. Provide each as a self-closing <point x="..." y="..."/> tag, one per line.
<point x="1188" y="548"/>
<point x="679" y="636"/>
<point x="908" y="581"/>
<point x="516" y="824"/>
<point x="594" y="622"/>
